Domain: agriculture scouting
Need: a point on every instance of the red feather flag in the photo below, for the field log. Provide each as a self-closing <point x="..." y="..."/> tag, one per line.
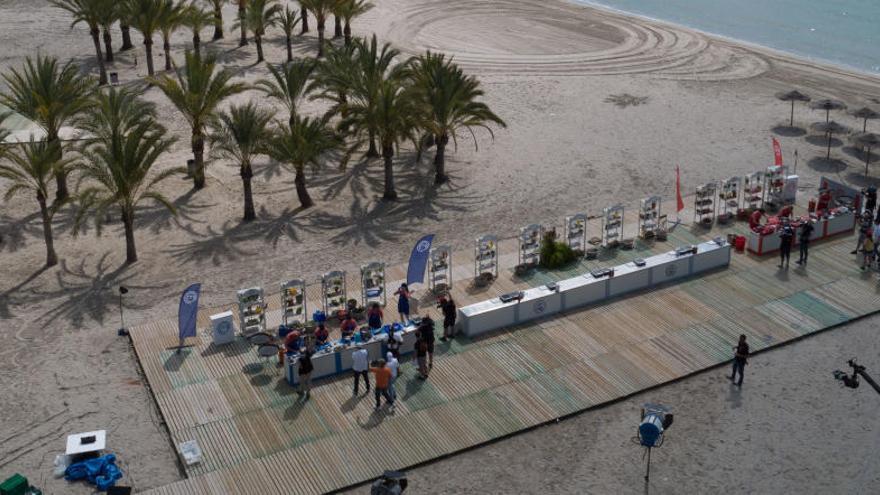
<point x="777" y="152"/>
<point x="680" y="205"/>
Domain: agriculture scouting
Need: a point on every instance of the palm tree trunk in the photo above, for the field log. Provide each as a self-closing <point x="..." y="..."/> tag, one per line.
<point x="108" y="45"/>
<point x="289" y="49"/>
<point x="241" y="13"/>
<point x="347" y="33"/>
<point x="51" y="257"/>
<point x="126" y="37"/>
<point x="247" y="173"/>
<point x="301" y="192"/>
<point x="259" y="41"/>
<point x="372" y="151"/>
<point x="337" y="28"/>
<point x="388" y="154"/>
<point x="166" y="47"/>
<point x="197" y="44"/>
<point x="304" y="14"/>
<point x="148" y="53"/>
<point x="218" y="23"/>
<point x="130" y="249"/>
<point x="321" y="28"/>
<point x="97" y="42"/>
<point x="440" y="160"/>
<point x="198" y="149"/>
<point x="61" y="191"/>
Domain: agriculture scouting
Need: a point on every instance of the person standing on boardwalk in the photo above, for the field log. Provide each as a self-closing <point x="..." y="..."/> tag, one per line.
<point x="383" y="380"/>
<point x="786" y="238"/>
<point x="447" y="305"/>
<point x="421" y="354"/>
<point x="866" y="230"/>
<point x="374" y="316"/>
<point x="305" y="374"/>
<point x="403" y="303"/>
<point x="806" y="233"/>
<point x="426" y="331"/>
<point x="394" y="365"/>
<point x="741" y="354"/>
<point x="359" y="365"/>
<point x="868" y="255"/>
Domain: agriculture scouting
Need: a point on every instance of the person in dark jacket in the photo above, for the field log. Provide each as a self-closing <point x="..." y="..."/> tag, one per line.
<point x="447" y="305"/>
<point x="786" y="238"/>
<point x="426" y="332"/>
<point x="806" y="232"/>
<point x="305" y="374"/>
<point x="741" y="354"/>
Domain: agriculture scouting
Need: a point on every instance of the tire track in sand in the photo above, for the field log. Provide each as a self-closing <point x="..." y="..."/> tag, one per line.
<point x="554" y="38"/>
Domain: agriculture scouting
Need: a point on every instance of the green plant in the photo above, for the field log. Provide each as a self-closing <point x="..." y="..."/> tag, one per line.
<point x="555" y="254"/>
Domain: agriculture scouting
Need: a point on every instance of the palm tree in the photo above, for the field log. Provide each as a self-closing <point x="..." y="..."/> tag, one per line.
<point x="242" y="13"/>
<point x="197" y="19"/>
<point x="335" y="75"/>
<point x="30" y="169"/>
<point x="218" y="18"/>
<point x="393" y="116"/>
<point x="197" y="93"/>
<point x="337" y="19"/>
<point x="173" y="16"/>
<point x="288" y="20"/>
<point x="50" y="95"/>
<point x="348" y="10"/>
<point x="125" y="28"/>
<point x="114" y="114"/>
<point x="147" y="17"/>
<point x="260" y="15"/>
<point x="450" y="100"/>
<point x="373" y="63"/>
<point x="119" y="168"/>
<point x="91" y="13"/>
<point x="302" y="143"/>
<point x="289" y="83"/>
<point x="240" y="135"/>
<point x="108" y="16"/>
<point x="320" y="9"/>
<point x="304" y="15"/>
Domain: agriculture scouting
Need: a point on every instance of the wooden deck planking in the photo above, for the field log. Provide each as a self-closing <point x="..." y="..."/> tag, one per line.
<point x="256" y="434"/>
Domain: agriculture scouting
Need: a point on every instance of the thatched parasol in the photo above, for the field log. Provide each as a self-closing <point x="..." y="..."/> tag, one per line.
<point x="828" y="105"/>
<point x="829" y="128"/>
<point x="866" y="140"/>
<point x="792" y="96"/>
<point x="865" y="113"/>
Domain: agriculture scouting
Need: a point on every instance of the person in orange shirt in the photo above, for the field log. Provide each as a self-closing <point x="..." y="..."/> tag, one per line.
<point x="383" y="381"/>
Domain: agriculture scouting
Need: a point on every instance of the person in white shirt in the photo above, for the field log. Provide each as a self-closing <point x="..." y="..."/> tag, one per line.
<point x="360" y="366"/>
<point x="392" y="364"/>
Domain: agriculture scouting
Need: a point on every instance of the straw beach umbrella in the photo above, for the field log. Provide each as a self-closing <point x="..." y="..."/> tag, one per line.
<point x="866" y="140"/>
<point x="829" y="128"/>
<point x="792" y="96"/>
<point x="865" y="113"/>
<point x="828" y="105"/>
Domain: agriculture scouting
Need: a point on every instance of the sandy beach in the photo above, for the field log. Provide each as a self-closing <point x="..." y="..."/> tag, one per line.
<point x="564" y="77"/>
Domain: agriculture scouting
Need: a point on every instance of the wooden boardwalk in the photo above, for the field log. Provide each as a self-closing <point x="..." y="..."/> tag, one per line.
<point x="258" y="437"/>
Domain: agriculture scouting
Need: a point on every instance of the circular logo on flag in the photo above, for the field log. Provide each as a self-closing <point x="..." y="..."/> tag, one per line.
<point x="423" y="246"/>
<point x="189" y="297"/>
<point x="539" y="307"/>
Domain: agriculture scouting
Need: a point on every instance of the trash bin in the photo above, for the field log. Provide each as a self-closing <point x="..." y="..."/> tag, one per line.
<point x="740" y="244"/>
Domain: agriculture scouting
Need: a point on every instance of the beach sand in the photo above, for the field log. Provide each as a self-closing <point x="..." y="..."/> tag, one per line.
<point x="562" y="76"/>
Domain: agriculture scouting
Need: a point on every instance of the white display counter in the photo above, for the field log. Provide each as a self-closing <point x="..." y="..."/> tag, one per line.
<point x="840" y="223"/>
<point x="586" y="289"/>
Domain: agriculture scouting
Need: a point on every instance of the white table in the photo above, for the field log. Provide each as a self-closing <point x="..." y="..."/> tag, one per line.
<point x="824" y="227"/>
<point x="75" y="445"/>
<point x="539" y="302"/>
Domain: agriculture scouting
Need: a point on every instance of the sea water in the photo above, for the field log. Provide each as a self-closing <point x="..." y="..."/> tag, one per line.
<point x="842" y="32"/>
